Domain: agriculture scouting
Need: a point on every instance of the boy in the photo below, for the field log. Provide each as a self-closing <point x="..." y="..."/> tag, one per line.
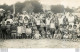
<point x="74" y="36"/>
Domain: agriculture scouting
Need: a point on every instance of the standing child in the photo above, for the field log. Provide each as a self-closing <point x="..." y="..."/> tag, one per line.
<point x="74" y="36"/>
<point x="52" y="27"/>
<point x="28" y="31"/>
<point x="3" y="28"/>
<point x="19" y="30"/>
<point x="70" y="31"/>
<point x="20" y="20"/>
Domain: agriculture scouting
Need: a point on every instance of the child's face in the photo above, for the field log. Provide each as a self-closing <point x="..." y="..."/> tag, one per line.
<point x="25" y="18"/>
<point x="60" y="26"/>
<point x="74" y="27"/>
<point x="70" y="27"/>
<point x="65" y="26"/>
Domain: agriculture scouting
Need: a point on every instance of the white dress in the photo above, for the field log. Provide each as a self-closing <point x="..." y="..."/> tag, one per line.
<point x="52" y="25"/>
<point x="28" y="31"/>
<point x="19" y="30"/>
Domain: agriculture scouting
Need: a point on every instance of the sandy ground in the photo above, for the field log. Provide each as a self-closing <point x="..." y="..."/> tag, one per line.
<point x="42" y="43"/>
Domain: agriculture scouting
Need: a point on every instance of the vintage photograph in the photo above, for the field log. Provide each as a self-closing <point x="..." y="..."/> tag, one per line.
<point x="39" y="23"/>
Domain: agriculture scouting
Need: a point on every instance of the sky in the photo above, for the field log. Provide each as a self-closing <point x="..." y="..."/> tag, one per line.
<point x="69" y="3"/>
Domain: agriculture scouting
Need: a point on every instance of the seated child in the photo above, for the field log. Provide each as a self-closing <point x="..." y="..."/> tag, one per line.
<point x="43" y="33"/>
<point x="55" y="35"/>
<point x="65" y="36"/>
<point x="61" y="29"/>
<point x="48" y="34"/>
<point x="37" y="35"/>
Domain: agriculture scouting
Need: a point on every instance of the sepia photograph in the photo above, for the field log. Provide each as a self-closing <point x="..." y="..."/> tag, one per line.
<point x="39" y="23"/>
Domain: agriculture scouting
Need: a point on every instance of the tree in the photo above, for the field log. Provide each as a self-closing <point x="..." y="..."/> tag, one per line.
<point x="69" y="10"/>
<point x="57" y="8"/>
<point x="19" y="7"/>
<point x="37" y="6"/>
<point x="28" y="8"/>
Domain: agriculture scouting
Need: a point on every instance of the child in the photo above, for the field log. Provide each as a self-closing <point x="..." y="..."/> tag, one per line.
<point x="37" y="35"/>
<point x="20" y="20"/>
<point x="65" y="37"/>
<point x="52" y="27"/>
<point x="43" y="33"/>
<point x="65" y="21"/>
<point x="8" y="29"/>
<point x="13" y="31"/>
<point x="23" y="31"/>
<point x="28" y="31"/>
<point x="42" y="26"/>
<point x="55" y="35"/>
<point x="33" y="33"/>
<point x="19" y="30"/>
<point x="25" y="21"/>
<point x="70" y="31"/>
<point x="61" y="29"/>
<point x="48" y="34"/>
<point x="3" y="28"/>
<point x="9" y="20"/>
<point x="15" y="21"/>
<point x="59" y="35"/>
<point x="74" y="36"/>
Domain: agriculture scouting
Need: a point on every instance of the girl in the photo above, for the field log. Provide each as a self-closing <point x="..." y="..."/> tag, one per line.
<point x="28" y="31"/>
<point x="19" y="30"/>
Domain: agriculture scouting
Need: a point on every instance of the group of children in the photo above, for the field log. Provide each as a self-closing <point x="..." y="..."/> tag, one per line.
<point x="38" y="26"/>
